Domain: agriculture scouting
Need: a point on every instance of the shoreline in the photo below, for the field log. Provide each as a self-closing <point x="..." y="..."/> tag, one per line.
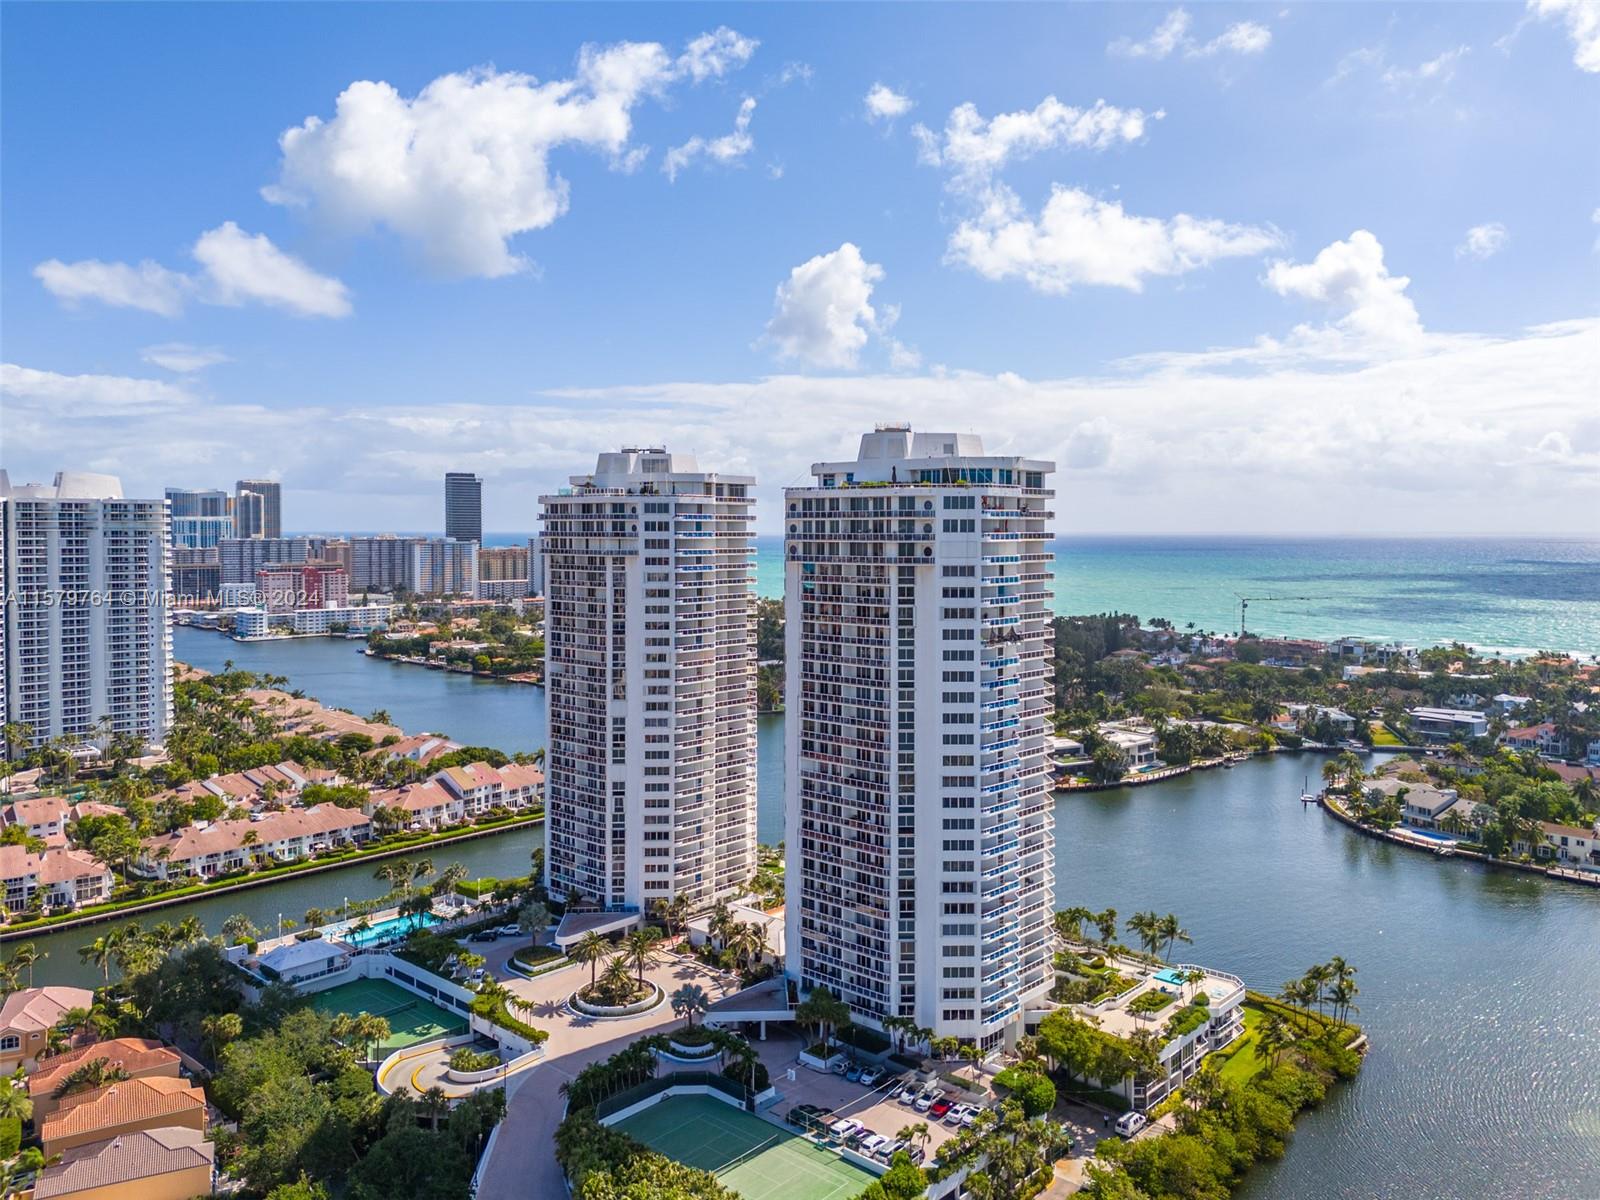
<point x="293" y="872"/>
<point x="1335" y="810"/>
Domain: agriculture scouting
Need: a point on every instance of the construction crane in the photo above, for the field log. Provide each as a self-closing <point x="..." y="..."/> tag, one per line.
<point x="1246" y="601"/>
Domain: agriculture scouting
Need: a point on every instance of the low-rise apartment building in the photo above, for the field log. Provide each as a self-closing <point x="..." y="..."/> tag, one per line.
<point x="63" y="877"/>
<point x="212" y="849"/>
<point x="1572" y="845"/>
<point x="1136" y="742"/>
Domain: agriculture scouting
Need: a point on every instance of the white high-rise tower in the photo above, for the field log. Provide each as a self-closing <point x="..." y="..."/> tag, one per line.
<point x="85" y="630"/>
<point x="650" y="672"/>
<point x="921" y="857"/>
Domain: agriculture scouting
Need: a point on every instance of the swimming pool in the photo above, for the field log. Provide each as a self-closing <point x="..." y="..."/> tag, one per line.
<point x="388" y="930"/>
<point x="1430" y="834"/>
<point x="1171" y="977"/>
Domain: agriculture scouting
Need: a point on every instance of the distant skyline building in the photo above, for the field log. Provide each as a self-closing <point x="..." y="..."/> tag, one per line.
<point x="85" y="632"/>
<point x="263" y="519"/>
<point x="444" y="567"/>
<point x="201" y="517"/>
<point x="240" y="558"/>
<point x="381" y="563"/>
<point x="650" y="682"/>
<point x="918" y="829"/>
<point x="463" y="506"/>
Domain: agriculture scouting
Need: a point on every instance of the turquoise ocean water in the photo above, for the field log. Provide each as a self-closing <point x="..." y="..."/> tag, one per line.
<point x="1515" y="595"/>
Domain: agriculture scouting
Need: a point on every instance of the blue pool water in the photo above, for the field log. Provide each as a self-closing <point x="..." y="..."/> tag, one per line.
<point x="387" y="930"/>
<point x="1170" y="976"/>
<point x="1430" y="834"/>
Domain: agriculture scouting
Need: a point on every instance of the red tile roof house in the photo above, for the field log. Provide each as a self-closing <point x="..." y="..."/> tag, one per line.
<point x="138" y="1058"/>
<point x="419" y="748"/>
<point x="68" y="878"/>
<point x="426" y="805"/>
<point x="166" y="1163"/>
<point x="481" y="787"/>
<point x="127" y="1106"/>
<point x="43" y="817"/>
<point x="1542" y="738"/>
<point x="288" y="836"/>
<point x="26" y="1018"/>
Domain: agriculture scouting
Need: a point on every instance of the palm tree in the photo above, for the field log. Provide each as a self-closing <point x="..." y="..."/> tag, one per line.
<point x="1317" y="978"/>
<point x="677" y="912"/>
<point x="1343" y="995"/>
<point x="14" y="1101"/>
<point x="315" y="917"/>
<point x="1145" y="925"/>
<point x="1275" y="1037"/>
<point x="449" y="877"/>
<point x="433" y="1104"/>
<point x="106" y="948"/>
<point x="219" y="1029"/>
<point x="824" y="1010"/>
<point x="639" y="950"/>
<point x="1106" y="923"/>
<point x="618" y="982"/>
<point x="1069" y="922"/>
<point x="917" y="1132"/>
<point x="1169" y="931"/>
<point x="239" y="928"/>
<point x="191" y="930"/>
<point x="26" y="955"/>
<point x="591" y="948"/>
<point x="690" y="1001"/>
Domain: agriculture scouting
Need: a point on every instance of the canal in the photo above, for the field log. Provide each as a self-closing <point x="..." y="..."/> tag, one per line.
<point x="1479" y="988"/>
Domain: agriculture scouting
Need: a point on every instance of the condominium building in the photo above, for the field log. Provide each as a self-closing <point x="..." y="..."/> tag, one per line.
<point x="503" y="562"/>
<point x="242" y="558"/>
<point x="444" y="567"/>
<point x="381" y="563"/>
<point x="87" y="634"/>
<point x="463" y="506"/>
<point x="650" y="682"/>
<point x="285" y="587"/>
<point x="263" y="518"/>
<point x="920" y="848"/>
<point x="200" y="517"/>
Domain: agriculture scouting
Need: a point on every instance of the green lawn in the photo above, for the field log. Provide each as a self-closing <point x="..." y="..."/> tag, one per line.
<point x="1382" y="735"/>
<point x="1246" y="1061"/>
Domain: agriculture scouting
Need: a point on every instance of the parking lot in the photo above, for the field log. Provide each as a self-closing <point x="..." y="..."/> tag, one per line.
<point x="873" y="1106"/>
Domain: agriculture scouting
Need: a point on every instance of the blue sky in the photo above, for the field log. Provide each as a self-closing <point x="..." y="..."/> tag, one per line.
<point x="1245" y="268"/>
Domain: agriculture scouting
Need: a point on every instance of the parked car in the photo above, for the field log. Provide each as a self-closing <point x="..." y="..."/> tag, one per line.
<point x="840" y="1067"/>
<point x="870" y="1077"/>
<point x="853" y="1075"/>
<point x="477" y="977"/>
<point x="958" y="1113"/>
<point x="970" y="1117"/>
<point x="509" y="931"/>
<point x="909" y="1092"/>
<point x="844" y="1128"/>
<point x="873" y="1143"/>
<point x="924" y="1101"/>
<point x="805" y="1116"/>
<point x="1129" y="1123"/>
<point x="485" y="935"/>
<point x="916" y="1154"/>
<point x="940" y="1107"/>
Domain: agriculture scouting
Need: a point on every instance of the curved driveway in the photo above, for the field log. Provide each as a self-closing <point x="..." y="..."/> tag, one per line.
<point x="523" y="1164"/>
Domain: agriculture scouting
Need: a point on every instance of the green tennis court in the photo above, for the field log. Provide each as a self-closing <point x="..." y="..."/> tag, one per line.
<point x="411" y="1018"/>
<point x="755" y="1159"/>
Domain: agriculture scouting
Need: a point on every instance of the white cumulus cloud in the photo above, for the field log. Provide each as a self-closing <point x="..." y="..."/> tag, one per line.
<point x="1173" y="35"/>
<point x="464" y="166"/>
<point x="1483" y="241"/>
<point x="883" y="103"/>
<point x="242" y="268"/>
<point x="147" y="286"/>
<point x="182" y="357"/>
<point x="975" y="149"/>
<point x="729" y="148"/>
<point x="1351" y="280"/>
<point x="1080" y="239"/>
<point x="823" y="313"/>
<point x="1582" y="20"/>
<point x="235" y="268"/>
